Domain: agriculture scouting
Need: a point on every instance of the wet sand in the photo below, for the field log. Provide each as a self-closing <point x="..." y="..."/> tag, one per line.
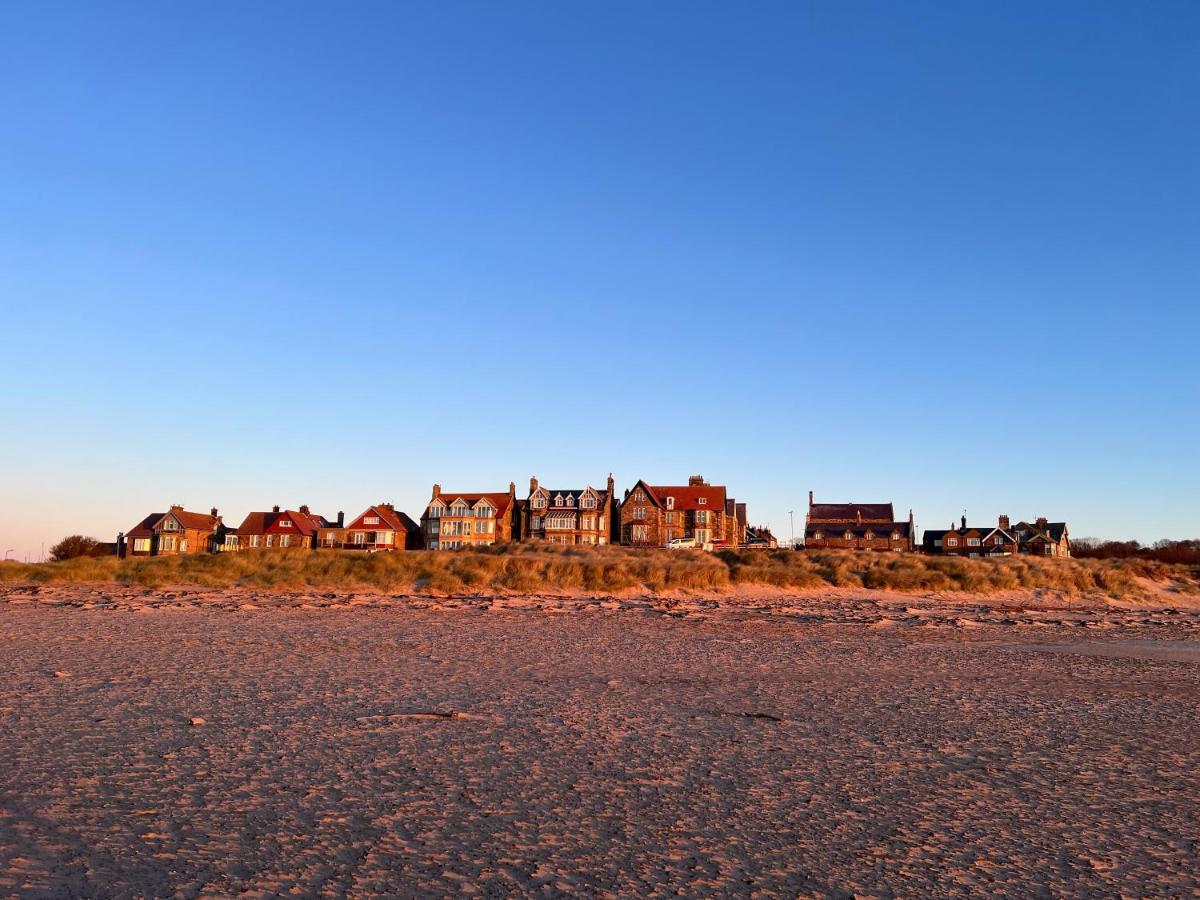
<point x="235" y="743"/>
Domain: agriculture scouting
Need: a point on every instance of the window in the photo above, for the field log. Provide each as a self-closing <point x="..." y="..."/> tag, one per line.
<point x="458" y="509"/>
<point x="868" y="536"/>
<point x="601" y="525"/>
<point x="639" y="512"/>
<point x="285" y="523"/>
<point x="168" y="543"/>
<point x="669" y="518"/>
<point x="270" y="540"/>
<point x="360" y="537"/>
<point x="484" y="512"/>
<point x="670" y="503"/>
<point x="588" y="502"/>
<point x="588" y="522"/>
<point x="570" y="500"/>
<point x="702" y="517"/>
<point x="170" y="525"/>
<point x="254" y="540"/>
<point x="972" y="542"/>
<point x="535" y="522"/>
<point x="849" y="535"/>
<point x="435" y="512"/>
<point x="637" y="534"/>
<point x="433" y="545"/>
<point x="703" y="535"/>
<point x="702" y="500"/>
<point x="285" y="540"/>
<point x="434" y="526"/>
<point x="895" y="535"/>
<point x="558" y="501"/>
<point x="639" y="494"/>
<point x="539" y="502"/>
<point x="951" y="542"/>
<point x="183" y="546"/>
<point x="370" y="520"/>
<point x="141" y="545"/>
<point x="817" y="536"/>
<point x="669" y="535"/>
<point x="937" y="542"/>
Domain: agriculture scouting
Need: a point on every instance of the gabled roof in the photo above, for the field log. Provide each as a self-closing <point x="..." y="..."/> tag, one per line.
<point x="195" y="521"/>
<point x="306" y="524"/>
<point x="499" y="499"/>
<point x="393" y="518"/>
<point x="879" y="512"/>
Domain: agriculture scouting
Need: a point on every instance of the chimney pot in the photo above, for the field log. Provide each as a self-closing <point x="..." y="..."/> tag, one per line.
<point x="964" y="522"/>
<point x="437" y="489"/>
<point x="533" y="484"/>
<point x="341" y="519"/>
<point x="275" y="508"/>
<point x="304" y="508"/>
<point x="810" y="498"/>
<point x="213" y="513"/>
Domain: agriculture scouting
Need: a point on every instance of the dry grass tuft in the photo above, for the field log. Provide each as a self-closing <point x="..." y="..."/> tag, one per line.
<point x="530" y="568"/>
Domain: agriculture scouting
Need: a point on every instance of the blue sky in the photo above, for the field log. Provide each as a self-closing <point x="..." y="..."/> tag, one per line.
<point x="946" y="255"/>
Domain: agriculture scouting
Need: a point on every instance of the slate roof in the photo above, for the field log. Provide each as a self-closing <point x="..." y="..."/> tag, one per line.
<point x="837" y="529"/>
<point x="874" y="512"/>
<point x="499" y="499"/>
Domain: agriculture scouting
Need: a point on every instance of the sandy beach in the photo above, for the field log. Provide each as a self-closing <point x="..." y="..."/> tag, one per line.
<point x="215" y="743"/>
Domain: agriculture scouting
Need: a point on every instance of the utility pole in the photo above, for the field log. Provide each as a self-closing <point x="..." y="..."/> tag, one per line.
<point x="792" y="525"/>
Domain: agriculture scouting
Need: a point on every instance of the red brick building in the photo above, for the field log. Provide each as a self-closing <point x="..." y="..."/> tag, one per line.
<point x="177" y="532"/>
<point x="856" y="526"/>
<point x="378" y="527"/>
<point x="453" y="520"/>
<point x="656" y="515"/>
<point x="1042" y="538"/>
<point x="280" y="529"/>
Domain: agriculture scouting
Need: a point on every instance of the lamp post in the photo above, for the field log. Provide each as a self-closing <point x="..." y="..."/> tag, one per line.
<point x="6" y="552"/>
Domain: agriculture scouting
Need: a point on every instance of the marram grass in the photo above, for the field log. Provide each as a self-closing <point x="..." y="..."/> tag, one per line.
<point x="548" y="568"/>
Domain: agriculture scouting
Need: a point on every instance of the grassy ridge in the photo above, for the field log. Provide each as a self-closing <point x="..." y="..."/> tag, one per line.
<point x="542" y="567"/>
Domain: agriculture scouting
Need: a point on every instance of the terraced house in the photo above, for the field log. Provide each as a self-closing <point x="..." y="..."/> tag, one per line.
<point x="856" y="526"/>
<point x="574" y="516"/>
<point x="453" y="520"/>
<point x="656" y="515"/>
<point x="177" y="532"/>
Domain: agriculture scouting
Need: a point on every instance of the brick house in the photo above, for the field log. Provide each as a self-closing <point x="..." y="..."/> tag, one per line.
<point x="280" y="529"/>
<point x="378" y="527"/>
<point x="856" y="526"/>
<point x="453" y="520"/>
<point x="1042" y="538"/>
<point x="655" y="515"/>
<point x="176" y="532"/>
<point x="575" y="516"/>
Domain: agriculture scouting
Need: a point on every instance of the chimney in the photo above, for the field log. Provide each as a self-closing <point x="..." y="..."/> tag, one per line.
<point x="858" y="516"/>
<point x="512" y="488"/>
<point x="120" y="545"/>
<point x="176" y="507"/>
<point x="1004" y="523"/>
<point x="533" y="483"/>
<point x="1041" y="523"/>
<point x="341" y="519"/>
<point x="213" y="512"/>
<point x="964" y="521"/>
<point x="304" y="508"/>
<point x="437" y="489"/>
<point x="695" y="480"/>
<point x="810" y="499"/>
<point x="275" y="508"/>
<point x="612" y="485"/>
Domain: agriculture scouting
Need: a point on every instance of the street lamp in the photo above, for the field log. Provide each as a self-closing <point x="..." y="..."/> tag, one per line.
<point x="6" y="552"/>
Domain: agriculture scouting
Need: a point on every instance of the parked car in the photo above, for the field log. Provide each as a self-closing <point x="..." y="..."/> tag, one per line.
<point x="682" y="544"/>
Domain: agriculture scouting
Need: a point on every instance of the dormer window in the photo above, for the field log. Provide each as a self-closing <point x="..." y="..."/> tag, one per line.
<point x="285" y="523"/>
<point x="570" y="500"/>
<point x="588" y="502"/>
<point x="370" y="520"/>
<point x="817" y="536"/>
<point x="670" y="503"/>
<point x="895" y="535"/>
<point x="702" y="501"/>
<point x="849" y="535"/>
<point x="951" y="542"/>
<point x="869" y="535"/>
<point x="539" y="502"/>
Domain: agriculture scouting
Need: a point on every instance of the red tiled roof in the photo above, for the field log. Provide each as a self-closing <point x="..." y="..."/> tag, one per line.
<point x="262" y="522"/>
<point x="498" y="499"/>
<point x="145" y="528"/>
<point x="392" y="518"/>
<point x="197" y="521"/>
<point x="688" y="497"/>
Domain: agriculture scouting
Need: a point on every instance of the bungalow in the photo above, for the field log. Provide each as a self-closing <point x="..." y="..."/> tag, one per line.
<point x="280" y="529"/>
<point x="176" y="532"/>
<point x="1039" y="539"/>
<point x="380" y="527"/>
<point x="656" y="515"/>
<point x="453" y="520"/>
<point x="572" y="516"/>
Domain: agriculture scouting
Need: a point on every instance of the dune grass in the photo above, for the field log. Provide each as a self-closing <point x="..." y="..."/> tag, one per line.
<point x="549" y="568"/>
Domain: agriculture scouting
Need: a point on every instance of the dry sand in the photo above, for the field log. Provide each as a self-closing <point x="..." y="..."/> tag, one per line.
<point x="236" y="743"/>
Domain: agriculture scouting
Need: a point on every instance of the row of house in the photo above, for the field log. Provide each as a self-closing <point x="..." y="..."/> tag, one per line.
<point x="874" y="526"/>
<point x="647" y="516"/>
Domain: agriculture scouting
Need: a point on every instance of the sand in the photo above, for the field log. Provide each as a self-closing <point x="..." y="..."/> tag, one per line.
<point x="214" y="743"/>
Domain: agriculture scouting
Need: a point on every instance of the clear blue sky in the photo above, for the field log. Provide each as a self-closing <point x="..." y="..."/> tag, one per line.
<point x="944" y="254"/>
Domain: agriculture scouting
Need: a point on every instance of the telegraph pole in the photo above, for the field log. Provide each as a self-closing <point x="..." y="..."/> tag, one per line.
<point x="792" y="526"/>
